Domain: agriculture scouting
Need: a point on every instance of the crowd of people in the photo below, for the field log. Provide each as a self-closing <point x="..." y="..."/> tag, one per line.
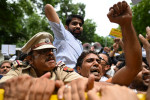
<point x="60" y="66"/>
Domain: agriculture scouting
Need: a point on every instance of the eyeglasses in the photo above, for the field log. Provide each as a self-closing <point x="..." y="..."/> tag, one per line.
<point x="45" y="51"/>
<point x="2" y="67"/>
<point x="104" y="61"/>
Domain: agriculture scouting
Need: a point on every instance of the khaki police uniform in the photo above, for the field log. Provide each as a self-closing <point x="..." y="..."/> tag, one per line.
<point x="39" y="41"/>
<point x="61" y="72"/>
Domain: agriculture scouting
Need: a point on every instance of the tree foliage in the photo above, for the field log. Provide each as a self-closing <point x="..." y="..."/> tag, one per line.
<point x="141" y="16"/>
<point x="21" y="19"/>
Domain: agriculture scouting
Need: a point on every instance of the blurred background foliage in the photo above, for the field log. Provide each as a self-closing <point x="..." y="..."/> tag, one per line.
<point x="21" y="19"/>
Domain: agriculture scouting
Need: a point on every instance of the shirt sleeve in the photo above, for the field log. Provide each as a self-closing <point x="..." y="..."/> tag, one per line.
<point x="9" y="75"/>
<point x="59" y="30"/>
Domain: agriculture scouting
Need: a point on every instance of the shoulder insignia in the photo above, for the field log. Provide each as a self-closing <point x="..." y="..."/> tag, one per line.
<point x="67" y="69"/>
<point x="17" y="63"/>
<point x="60" y="63"/>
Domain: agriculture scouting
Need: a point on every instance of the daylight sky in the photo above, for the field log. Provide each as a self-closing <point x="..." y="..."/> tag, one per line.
<point x="97" y="11"/>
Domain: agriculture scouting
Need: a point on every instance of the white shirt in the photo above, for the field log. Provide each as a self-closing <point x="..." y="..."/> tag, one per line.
<point x="68" y="47"/>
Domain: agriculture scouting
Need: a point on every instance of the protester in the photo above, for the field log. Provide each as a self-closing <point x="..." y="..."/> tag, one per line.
<point x="75" y="90"/>
<point x="66" y="40"/>
<point x="42" y="68"/>
<point x="141" y="81"/>
<point x="89" y="63"/>
<point x="106" y="66"/>
<point x="5" y="66"/>
<point x="133" y="66"/>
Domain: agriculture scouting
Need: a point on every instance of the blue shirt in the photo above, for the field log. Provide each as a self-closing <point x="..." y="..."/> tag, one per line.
<point x="68" y="47"/>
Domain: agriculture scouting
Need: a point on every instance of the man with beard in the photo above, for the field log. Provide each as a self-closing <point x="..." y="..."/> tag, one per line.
<point x="141" y="81"/>
<point x="66" y="40"/>
<point x="121" y="14"/>
<point x="40" y="55"/>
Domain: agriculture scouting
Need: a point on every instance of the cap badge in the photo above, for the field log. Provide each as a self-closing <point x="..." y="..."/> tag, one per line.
<point x="47" y="40"/>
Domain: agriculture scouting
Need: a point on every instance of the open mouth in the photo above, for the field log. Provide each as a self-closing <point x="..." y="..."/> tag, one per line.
<point x="94" y="70"/>
<point x="50" y="58"/>
<point x="146" y="78"/>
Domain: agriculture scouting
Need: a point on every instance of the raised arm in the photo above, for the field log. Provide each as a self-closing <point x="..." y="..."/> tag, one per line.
<point x="146" y="44"/>
<point x="51" y="13"/>
<point x="115" y="47"/>
<point x="121" y="13"/>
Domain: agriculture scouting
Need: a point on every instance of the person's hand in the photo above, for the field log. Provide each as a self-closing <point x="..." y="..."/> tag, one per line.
<point x="41" y="89"/>
<point x="121" y="44"/>
<point x="148" y="33"/>
<point x="29" y="88"/>
<point x="120" y="13"/>
<point x="17" y="88"/>
<point x="144" y="41"/>
<point x="116" y="40"/>
<point x="75" y="90"/>
<point x="146" y="44"/>
<point x="107" y="49"/>
<point x="114" y="92"/>
<point x="115" y="46"/>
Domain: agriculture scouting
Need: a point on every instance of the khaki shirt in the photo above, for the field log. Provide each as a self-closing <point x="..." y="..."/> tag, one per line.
<point x="61" y="72"/>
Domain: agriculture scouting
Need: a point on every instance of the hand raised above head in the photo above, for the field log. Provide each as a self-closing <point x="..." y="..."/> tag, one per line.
<point x="120" y="13"/>
<point x="148" y="32"/>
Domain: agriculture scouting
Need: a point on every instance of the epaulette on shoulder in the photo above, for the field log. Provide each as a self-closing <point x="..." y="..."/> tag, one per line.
<point x="60" y="63"/>
<point x="17" y="63"/>
<point x="67" y="69"/>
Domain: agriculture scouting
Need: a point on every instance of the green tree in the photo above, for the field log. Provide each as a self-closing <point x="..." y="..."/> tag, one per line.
<point x="89" y="28"/>
<point x="11" y="22"/>
<point x="141" y="16"/>
<point x="21" y="19"/>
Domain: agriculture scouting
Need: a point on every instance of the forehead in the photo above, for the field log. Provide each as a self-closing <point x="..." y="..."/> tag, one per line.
<point x="103" y="56"/>
<point x="6" y="63"/>
<point x="76" y="20"/>
<point x="91" y="55"/>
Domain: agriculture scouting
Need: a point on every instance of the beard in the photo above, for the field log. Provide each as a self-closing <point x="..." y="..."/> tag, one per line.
<point x="76" y="35"/>
<point x="138" y="84"/>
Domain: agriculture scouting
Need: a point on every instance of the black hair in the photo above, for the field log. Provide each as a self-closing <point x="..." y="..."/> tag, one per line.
<point x="5" y="61"/>
<point x="82" y="56"/>
<point x="69" y="19"/>
<point x="122" y="64"/>
<point x="121" y="57"/>
<point x="145" y="61"/>
<point x="22" y="56"/>
<point x="109" y="59"/>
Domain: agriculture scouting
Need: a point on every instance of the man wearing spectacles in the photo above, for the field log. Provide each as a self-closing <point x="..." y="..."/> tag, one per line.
<point x="106" y="66"/>
<point x="40" y="55"/>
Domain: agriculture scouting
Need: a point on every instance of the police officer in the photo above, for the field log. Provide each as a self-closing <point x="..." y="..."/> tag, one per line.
<point x="41" y="60"/>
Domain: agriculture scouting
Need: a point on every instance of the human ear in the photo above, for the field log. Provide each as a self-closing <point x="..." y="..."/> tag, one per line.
<point x="29" y="59"/>
<point x="78" y="69"/>
<point x="107" y="67"/>
<point x="66" y="27"/>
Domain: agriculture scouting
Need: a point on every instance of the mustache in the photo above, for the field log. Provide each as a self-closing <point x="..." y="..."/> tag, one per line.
<point x="50" y="57"/>
<point x="76" y="29"/>
<point x="146" y="75"/>
<point x="95" y="68"/>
